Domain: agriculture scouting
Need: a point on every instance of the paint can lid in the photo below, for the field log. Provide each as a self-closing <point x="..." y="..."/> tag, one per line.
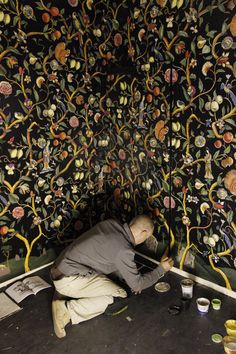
<point x="162" y="287"/>
<point x="216" y="338"/>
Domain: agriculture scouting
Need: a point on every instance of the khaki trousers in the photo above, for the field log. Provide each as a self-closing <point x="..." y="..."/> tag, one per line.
<point x="90" y="295"/>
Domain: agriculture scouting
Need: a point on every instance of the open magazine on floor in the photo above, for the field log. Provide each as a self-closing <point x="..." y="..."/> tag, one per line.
<point x="28" y="286"/>
<point x="7" y="306"/>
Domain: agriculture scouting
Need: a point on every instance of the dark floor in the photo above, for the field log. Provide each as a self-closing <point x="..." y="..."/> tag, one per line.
<point x="145" y="327"/>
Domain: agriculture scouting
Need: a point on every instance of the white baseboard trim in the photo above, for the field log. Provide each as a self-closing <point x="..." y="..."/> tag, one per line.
<point x="23" y="275"/>
<point x="178" y="271"/>
<point x="195" y="278"/>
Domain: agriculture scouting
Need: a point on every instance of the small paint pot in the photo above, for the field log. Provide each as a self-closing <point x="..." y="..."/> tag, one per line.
<point x="203" y="305"/>
<point x="216" y="304"/>
<point x="230" y="326"/>
<point x="229" y="344"/>
<point x="187" y="288"/>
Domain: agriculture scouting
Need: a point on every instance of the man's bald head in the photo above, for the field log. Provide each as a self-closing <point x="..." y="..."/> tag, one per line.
<point x="141" y="227"/>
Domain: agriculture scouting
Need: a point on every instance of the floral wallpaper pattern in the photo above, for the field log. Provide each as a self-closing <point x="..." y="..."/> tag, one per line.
<point x="112" y="108"/>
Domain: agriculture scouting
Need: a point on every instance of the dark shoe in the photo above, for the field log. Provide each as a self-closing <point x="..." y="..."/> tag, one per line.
<point x="118" y="306"/>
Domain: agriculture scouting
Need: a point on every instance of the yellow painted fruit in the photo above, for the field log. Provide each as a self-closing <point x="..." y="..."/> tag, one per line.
<point x="177" y="144"/>
<point x="72" y="63"/>
<point x="1" y="16"/>
<point x="232" y="26"/>
<point x="13" y="153"/>
<point x="78" y="65"/>
<point x="19" y="153"/>
<point x="7" y="19"/>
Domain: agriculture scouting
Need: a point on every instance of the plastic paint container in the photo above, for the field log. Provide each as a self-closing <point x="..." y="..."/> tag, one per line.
<point x="230" y="326"/>
<point x="216" y="304"/>
<point x="229" y="344"/>
<point x="203" y="305"/>
<point x="187" y="288"/>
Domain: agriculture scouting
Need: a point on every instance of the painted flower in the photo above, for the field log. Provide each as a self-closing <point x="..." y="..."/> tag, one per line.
<point x="221" y="193"/>
<point x="200" y="141"/>
<point x="28" y="11"/>
<point x="169" y="21"/>
<point x="193" y="63"/>
<point x="168" y="75"/>
<point x="74" y="122"/>
<point x="73" y="3"/>
<point x="59" y="193"/>
<point x="230" y="181"/>
<point x="18" y="213"/>
<point x="54" y="64"/>
<point x="10" y="169"/>
<point x="227" y="43"/>
<point x="186" y="220"/>
<point x="154" y="12"/>
<point x="206" y="67"/>
<point x="178" y="182"/>
<point x="27" y="79"/>
<point x="131" y="51"/>
<point x="5" y="88"/>
<point x="60" y="181"/>
<point x="74" y="189"/>
<point x="118" y="39"/>
<point x="169" y="202"/>
<point x="224" y="59"/>
<point x="42" y="143"/>
<point x="79" y="100"/>
<point x="122" y="154"/>
<point x="37" y="220"/>
<point x="28" y="103"/>
<point x="24" y="188"/>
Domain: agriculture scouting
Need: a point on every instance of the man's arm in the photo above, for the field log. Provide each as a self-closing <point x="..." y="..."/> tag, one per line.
<point x="137" y="282"/>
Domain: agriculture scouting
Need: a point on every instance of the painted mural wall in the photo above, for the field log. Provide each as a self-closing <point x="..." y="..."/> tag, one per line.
<point x="87" y="98"/>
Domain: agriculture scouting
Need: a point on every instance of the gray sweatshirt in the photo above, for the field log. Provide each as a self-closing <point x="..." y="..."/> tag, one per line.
<point x="106" y="248"/>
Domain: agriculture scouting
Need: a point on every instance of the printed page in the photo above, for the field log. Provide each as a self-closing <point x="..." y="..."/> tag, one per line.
<point x="7" y="306"/>
<point x="18" y="291"/>
<point x="36" y="284"/>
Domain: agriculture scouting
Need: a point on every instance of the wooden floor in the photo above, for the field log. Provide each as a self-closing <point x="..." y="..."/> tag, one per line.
<point x="146" y="327"/>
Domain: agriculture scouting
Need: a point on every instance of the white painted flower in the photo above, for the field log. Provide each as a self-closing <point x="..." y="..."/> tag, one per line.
<point x="222" y="193"/>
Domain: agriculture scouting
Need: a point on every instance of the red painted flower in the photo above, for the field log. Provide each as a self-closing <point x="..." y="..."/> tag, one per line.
<point x="122" y="154"/>
<point x="118" y="39"/>
<point x="5" y="88"/>
<point x="174" y="75"/>
<point x="18" y="212"/>
<point x="74" y="122"/>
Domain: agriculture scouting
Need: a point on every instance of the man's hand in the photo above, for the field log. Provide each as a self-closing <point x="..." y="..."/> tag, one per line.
<point x="167" y="263"/>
